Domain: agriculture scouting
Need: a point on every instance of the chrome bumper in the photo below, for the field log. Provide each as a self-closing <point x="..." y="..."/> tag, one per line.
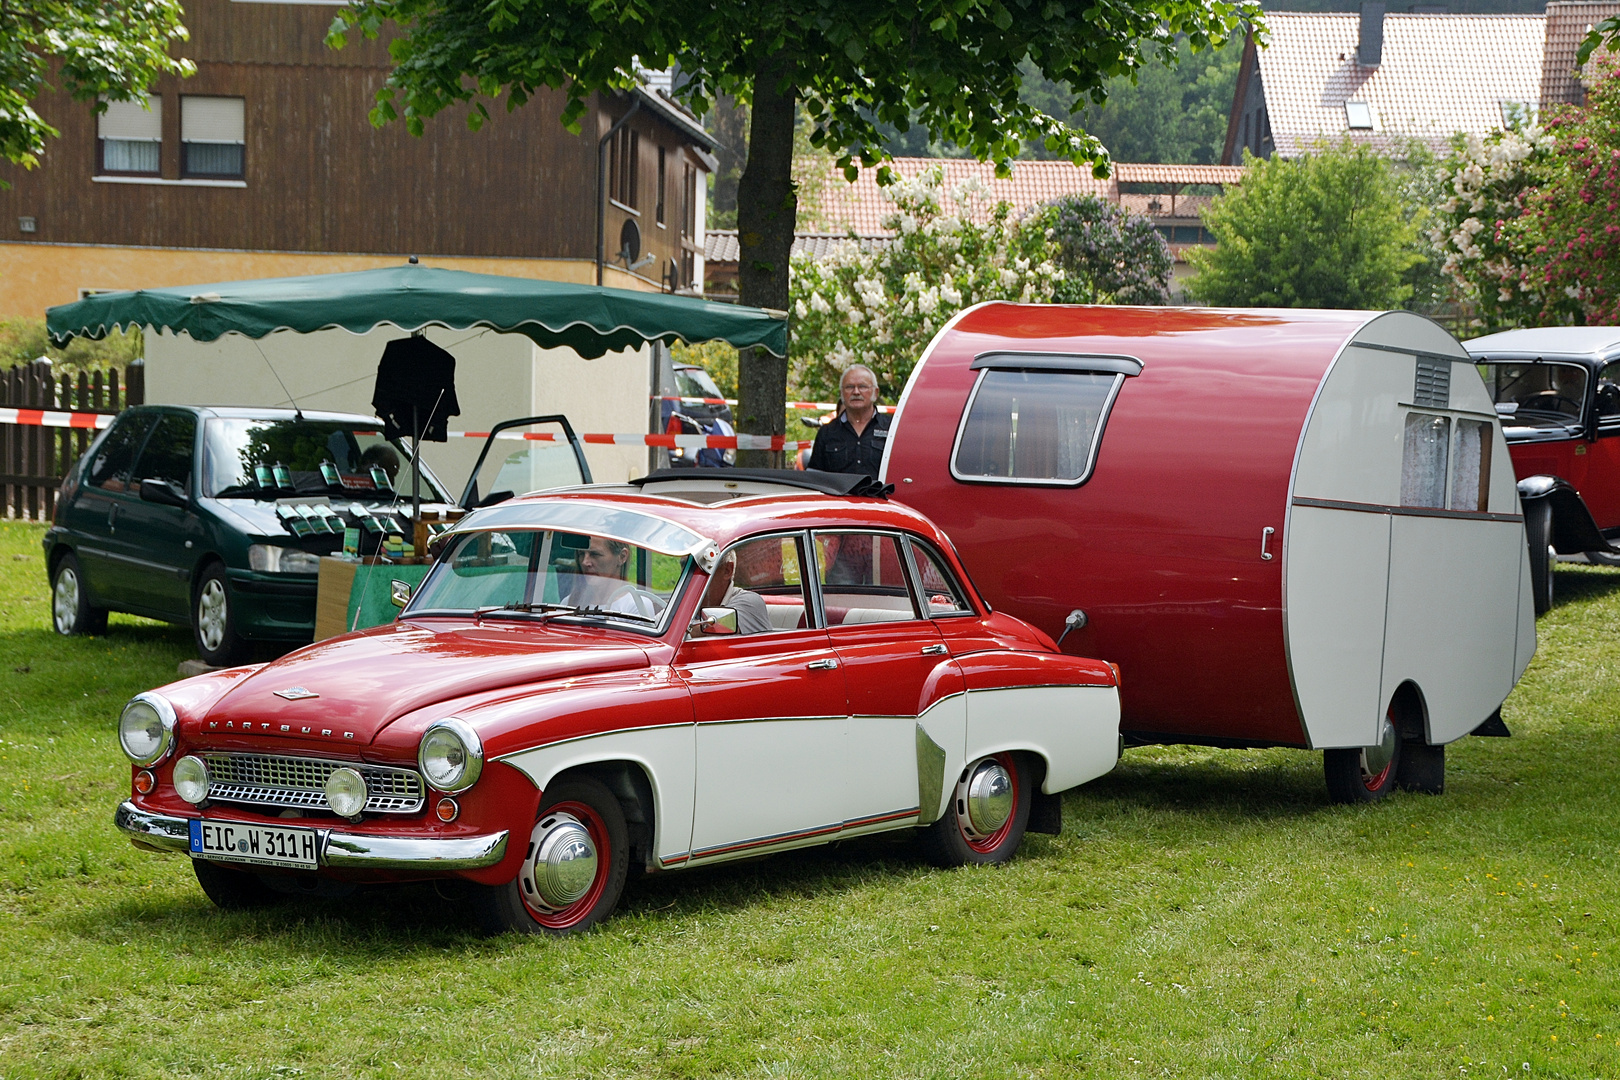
<point x="354" y="851"/>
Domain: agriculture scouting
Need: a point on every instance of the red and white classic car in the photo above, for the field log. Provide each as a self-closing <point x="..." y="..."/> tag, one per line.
<point x="658" y="675"/>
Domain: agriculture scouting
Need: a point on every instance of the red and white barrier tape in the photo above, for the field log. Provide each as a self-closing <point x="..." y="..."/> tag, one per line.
<point x="88" y="421"/>
<point x="669" y="442"/>
<point x="824" y="406"/>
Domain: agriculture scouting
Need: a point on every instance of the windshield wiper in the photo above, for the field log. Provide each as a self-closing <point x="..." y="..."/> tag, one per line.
<point x="610" y="613"/>
<point x="553" y="610"/>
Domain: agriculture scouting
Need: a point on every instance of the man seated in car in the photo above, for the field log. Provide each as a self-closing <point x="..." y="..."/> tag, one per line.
<point x="752" y="617"/>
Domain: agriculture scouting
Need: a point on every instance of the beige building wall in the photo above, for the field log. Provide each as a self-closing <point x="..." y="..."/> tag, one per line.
<point x="36" y="276"/>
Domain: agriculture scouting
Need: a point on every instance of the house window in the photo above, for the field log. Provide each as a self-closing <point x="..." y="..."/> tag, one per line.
<point x="212" y="137"/>
<point x="1423" y="460"/>
<point x="660" y="185"/>
<point x="624" y="160"/>
<point x="1358" y="115"/>
<point x="1040" y="424"/>
<point x="129" y="137"/>
<point x="689" y="202"/>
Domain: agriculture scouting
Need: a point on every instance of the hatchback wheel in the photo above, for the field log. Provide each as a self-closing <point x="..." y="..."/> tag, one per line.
<point x="987" y="817"/>
<point x="71" y="611"/>
<point x="213" y="620"/>
<point x="573" y="870"/>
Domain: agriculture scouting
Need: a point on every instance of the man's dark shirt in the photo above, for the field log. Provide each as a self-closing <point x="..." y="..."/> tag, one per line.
<point x="839" y="449"/>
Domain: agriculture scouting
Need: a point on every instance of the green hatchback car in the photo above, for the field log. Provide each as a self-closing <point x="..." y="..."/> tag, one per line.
<point x="217" y="518"/>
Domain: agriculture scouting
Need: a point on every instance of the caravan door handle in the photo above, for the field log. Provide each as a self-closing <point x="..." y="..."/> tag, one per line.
<point x="1265" y="542"/>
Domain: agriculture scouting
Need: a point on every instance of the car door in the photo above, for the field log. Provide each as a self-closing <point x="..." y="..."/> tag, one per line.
<point x="1601" y="491"/>
<point x="771" y="716"/>
<point x="889" y="651"/>
<point x="162" y="538"/>
<point x="92" y="517"/>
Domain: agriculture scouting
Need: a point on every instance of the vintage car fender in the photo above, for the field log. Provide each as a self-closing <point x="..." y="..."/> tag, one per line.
<point x="1063" y="708"/>
<point x="1573" y="528"/>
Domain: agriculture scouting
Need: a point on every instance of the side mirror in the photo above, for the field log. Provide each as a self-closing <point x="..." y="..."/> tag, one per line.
<point x="399" y="592"/>
<point x="1076" y="621"/>
<point x="162" y="491"/>
<point x="719" y="621"/>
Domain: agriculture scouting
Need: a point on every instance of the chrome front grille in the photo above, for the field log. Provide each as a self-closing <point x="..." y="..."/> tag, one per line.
<point x="272" y="780"/>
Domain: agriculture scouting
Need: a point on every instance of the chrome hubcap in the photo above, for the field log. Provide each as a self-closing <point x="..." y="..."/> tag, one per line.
<point x="987" y="798"/>
<point x="65" y="602"/>
<point x="211" y="615"/>
<point x="561" y="864"/>
<point x="1375" y="759"/>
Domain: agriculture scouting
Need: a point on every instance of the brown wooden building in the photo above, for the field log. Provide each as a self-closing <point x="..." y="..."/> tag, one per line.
<point x="264" y="164"/>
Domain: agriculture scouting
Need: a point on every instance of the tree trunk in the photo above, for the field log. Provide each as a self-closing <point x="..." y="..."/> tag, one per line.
<point x="767" y="209"/>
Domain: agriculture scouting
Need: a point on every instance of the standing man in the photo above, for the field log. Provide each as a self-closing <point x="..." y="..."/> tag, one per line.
<point x="853" y="441"/>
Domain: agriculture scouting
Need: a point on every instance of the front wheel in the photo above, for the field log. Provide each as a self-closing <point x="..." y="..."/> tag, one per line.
<point x="1538" y="534"/>
<point x="989" y="811"/>
<point x="1364" y="774"/>
<point x="213" y="620"/>
<point x="71" y="610"/>
<point x="573" y="870"/>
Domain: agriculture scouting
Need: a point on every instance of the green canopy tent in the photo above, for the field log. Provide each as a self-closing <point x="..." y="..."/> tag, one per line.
<point x="589" y="319"/>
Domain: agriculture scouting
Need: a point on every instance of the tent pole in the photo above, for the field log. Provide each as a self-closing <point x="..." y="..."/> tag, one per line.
<point x="416" y="468"/>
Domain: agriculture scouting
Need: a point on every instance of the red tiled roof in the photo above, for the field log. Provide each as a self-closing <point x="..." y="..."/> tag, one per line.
<point x="1177" y="174"/>
<point x="1441" y="74"/>
<point x="862" y="207"/>
<point x="1567" y="23"/>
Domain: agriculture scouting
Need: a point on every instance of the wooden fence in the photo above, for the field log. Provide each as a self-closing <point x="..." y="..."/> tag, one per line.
<point x="34" y="459"/>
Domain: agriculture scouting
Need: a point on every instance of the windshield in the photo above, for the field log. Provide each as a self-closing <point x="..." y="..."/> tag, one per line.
<point x="548" y="574"/>
<point x="247" y="458"/>
<point x="695" y="382"/>
<point x="1536" y="395"/>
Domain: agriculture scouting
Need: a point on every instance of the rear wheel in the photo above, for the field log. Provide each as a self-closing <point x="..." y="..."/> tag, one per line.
<point x="573" y="871"/>
<point x="1364" y="774"/>
<point x="1538" y="535"/>
<point x="987" y="817"/>
<point x="71" y="611"/>
<point x="1603" y="558"/>
<point x="213" y="620"/>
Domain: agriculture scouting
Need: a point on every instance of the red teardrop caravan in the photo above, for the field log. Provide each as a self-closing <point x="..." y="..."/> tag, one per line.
<point x="1287" y="527"/>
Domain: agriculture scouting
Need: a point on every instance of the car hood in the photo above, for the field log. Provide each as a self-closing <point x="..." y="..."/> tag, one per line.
<point x="348" y="689"/>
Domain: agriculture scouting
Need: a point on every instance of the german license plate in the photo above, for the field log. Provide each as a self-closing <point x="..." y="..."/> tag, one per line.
<point x="264" y="845"/>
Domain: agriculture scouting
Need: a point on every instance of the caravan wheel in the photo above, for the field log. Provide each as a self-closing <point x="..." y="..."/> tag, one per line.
<point x="1364" y="774"/>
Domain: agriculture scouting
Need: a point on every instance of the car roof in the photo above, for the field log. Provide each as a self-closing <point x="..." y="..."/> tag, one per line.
<point x="1588" y="342"/>
<point x="246" y="412"/>
<point x="725" y="510"/>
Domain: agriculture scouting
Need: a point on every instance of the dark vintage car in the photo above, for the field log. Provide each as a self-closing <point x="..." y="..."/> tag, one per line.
<point x="1557" y="390"/>
<point x="690" y="669"/>
<point x="217" y="518"/>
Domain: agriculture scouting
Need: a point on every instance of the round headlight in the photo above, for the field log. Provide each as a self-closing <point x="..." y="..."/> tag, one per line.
<point x="191" y="779"/>
<point x="346" y="792"/>
<point x="146" y="729"/>
<point x="451" y="755"/>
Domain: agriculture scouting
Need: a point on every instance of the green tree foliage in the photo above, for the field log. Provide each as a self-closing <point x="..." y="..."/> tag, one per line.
<point x="1325" y="230"/>
<point x="102" y="50"/>
<point x="1165" y="112"/>
<point x="23" y="341"/>
<point x="1108" y="255"/>
<point x="954" y="67"/>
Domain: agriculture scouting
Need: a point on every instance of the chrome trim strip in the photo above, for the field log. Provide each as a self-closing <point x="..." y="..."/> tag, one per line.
<point x="1092" y="452"/>
<point x="507" y="757"/>
<point x="1406" y="511"/>
<point x="1092" y="363"/>
<point x="1404" y="351"/>
<point x="351" y="850"/>
<point x="803" y="834"/>
<point x="165" y="832"/>
<point x="154" y="832"/>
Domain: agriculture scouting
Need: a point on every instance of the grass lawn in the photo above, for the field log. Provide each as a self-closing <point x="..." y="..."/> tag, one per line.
<point x="1205" y="913"/>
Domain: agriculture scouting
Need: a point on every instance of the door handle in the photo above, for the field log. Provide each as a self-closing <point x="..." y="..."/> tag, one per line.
<point x="933" y="650"/>
<point x="828" y="664"/>
<point x="1265" y="542"/>
<point x="112" y="517"/>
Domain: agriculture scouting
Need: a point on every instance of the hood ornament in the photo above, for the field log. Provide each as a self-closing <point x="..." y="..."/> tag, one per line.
<point x="296" y="693"/>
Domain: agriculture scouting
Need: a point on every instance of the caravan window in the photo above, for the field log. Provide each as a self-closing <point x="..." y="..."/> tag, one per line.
<point x="1423" y="460"/>
<point x="1471" y="475"/>
<point x="1034" y="426"/>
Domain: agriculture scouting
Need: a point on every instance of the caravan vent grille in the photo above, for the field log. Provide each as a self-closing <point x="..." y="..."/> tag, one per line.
<point x="1433" y="389"/>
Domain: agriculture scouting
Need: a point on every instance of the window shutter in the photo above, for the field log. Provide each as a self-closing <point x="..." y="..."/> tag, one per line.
<point x="212" y="119"/>
<point x="127" y="120"/>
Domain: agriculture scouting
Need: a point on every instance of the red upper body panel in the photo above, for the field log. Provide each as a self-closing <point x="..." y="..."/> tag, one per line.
<point x="1161" y="546"/>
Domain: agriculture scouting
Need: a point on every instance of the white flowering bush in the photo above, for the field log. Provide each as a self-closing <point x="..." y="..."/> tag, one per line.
<point x="880" y="302"/>
<point x="1490" y="181"/>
